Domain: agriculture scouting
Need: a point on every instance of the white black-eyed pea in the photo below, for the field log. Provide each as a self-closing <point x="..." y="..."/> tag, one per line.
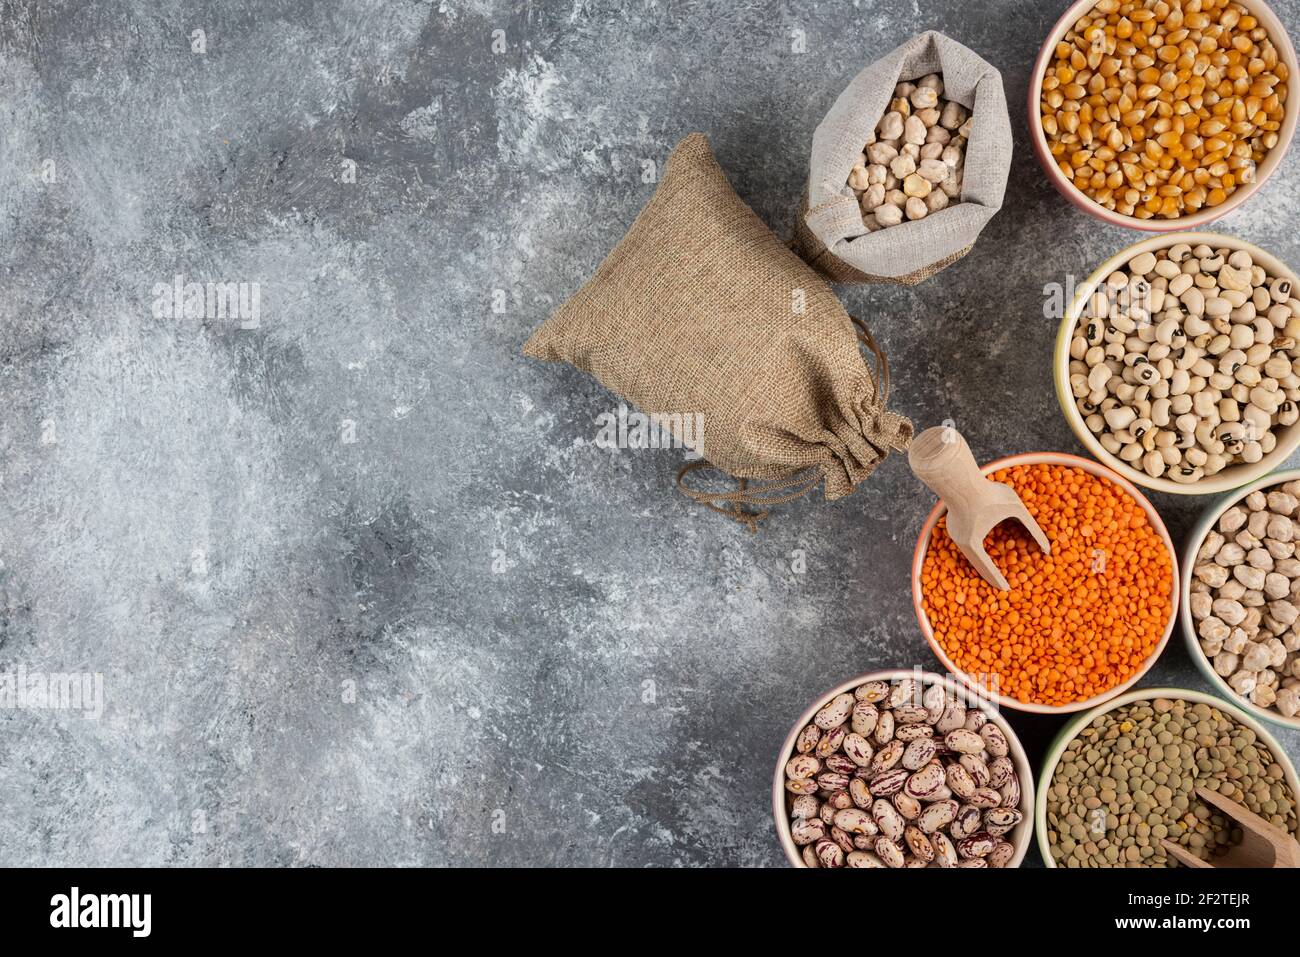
<point x="1209" y="349"/>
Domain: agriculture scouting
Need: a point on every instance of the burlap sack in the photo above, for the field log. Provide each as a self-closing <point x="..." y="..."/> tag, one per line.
<point x="830" y="233"/>
<point x="701" y="309"/>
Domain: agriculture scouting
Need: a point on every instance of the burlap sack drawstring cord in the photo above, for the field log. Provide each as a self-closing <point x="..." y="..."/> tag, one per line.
<point x="893" y="429"/>
<point x="761" y="497"/>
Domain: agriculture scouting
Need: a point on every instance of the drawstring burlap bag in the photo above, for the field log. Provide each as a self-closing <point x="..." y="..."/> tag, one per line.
<point x="829" y="232"/>
<point x="700" y="309"/>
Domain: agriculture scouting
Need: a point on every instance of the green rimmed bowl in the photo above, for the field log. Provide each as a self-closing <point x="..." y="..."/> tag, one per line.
<point x="1067" y="734"/>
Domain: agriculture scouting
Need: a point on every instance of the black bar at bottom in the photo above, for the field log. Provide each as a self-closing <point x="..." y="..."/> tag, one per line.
<point x="338" y="906"/>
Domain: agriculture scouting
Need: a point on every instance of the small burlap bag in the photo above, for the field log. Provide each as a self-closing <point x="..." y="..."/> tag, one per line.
<point x="829" y="232"/>
<point x="700" y="309"/>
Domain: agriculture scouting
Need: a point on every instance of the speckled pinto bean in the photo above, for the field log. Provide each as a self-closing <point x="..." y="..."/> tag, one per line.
<point x="964" y="742"/>
<point x="980" y="845"/>
<point x="907" y="806"/>
<point x="959" y="781"/>
<point x="802" y="766"/>
<point x="977" y="768"/>
<point x="887" y="818"/>
<point x="919" y="795"/>
<point x="861" y="859"/>
<point x="830" y="742"/>
<point x="907" y="733"/>
<point x="966" y="823"/>
<point x="995" y="742"/>
<point x="855" y="821"/>
<point x="808" y="739"/>
<point x="1001" y="855"/>
<point x="863" y="719"/>
<point x="835" y="713"/>
<point x="884" y="732"/>
<point x="919" y="753"/>
<point x="945" y="852"/>
<point x="858" y="749"/>
<point x="925" y="782"/>
<point x="918" y="843"/>
<point x="1000" y="820"/>
<point x="889" y="783"/>
<point x="888" y="851"/>
<point x="888" y="756"/>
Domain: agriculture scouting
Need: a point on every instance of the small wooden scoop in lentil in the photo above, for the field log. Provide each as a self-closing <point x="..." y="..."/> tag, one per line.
<point x="1163" y="109"/>
<point x="941" y="459"/>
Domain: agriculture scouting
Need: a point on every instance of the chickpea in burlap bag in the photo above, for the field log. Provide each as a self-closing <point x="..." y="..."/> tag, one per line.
<point x="830" y="232"/>
<point x="700" y="309"/>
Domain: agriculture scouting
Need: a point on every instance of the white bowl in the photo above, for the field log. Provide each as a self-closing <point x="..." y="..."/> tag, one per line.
<point x="1195" y="539"/>
<point x="1019" y="836"/>
<point x="1288" y="437"/>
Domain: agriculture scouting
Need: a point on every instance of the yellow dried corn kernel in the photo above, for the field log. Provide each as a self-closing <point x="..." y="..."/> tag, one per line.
<point x="1160" y="108"/>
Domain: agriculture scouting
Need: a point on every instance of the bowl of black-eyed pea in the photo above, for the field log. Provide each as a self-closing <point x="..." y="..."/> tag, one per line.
<point x="1122" y="778"/>
<point x="1177" y="363"/>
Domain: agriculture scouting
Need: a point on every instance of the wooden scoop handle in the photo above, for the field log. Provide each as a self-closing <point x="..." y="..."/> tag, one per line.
<point x="941" y="459"/>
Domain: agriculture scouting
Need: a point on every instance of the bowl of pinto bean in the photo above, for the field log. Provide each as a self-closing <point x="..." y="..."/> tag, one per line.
<point x="903" y="769"/>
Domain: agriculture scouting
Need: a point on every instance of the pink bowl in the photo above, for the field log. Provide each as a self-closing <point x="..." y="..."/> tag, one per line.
<point x="1092" y="468"/>
<point x="1286" y="53"/>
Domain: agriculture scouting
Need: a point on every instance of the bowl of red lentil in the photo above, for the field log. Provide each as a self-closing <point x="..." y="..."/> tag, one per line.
<point x="1166" y="115"/>
<point x="1077" y="626"/>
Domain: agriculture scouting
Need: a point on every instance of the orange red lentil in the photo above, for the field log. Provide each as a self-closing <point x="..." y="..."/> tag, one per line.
<point x="1163" y="108"/>
<point x="1074" y="623"/>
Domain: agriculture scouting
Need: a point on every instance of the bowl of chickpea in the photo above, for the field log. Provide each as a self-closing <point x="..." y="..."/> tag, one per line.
<point x="1162" y="116"/>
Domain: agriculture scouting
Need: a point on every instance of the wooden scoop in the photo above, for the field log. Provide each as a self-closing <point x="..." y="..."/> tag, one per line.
<point x="1262" y="844"/>
<point x="942" y="460"/>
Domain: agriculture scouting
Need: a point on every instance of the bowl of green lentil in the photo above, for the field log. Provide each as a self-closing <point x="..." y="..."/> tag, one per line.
<point x="1121" y="777"/>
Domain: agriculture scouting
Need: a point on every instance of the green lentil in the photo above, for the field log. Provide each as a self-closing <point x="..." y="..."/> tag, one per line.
<point x="1141" y="763"/>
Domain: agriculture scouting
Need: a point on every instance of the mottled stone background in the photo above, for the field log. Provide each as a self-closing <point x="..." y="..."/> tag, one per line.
<point x="469" y="636"/>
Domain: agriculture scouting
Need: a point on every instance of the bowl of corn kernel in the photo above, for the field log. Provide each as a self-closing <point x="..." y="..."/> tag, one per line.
<point x="1162" y="115"/>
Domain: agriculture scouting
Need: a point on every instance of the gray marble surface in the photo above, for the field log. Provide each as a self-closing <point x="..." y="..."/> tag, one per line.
<point x="361" y="587"/>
